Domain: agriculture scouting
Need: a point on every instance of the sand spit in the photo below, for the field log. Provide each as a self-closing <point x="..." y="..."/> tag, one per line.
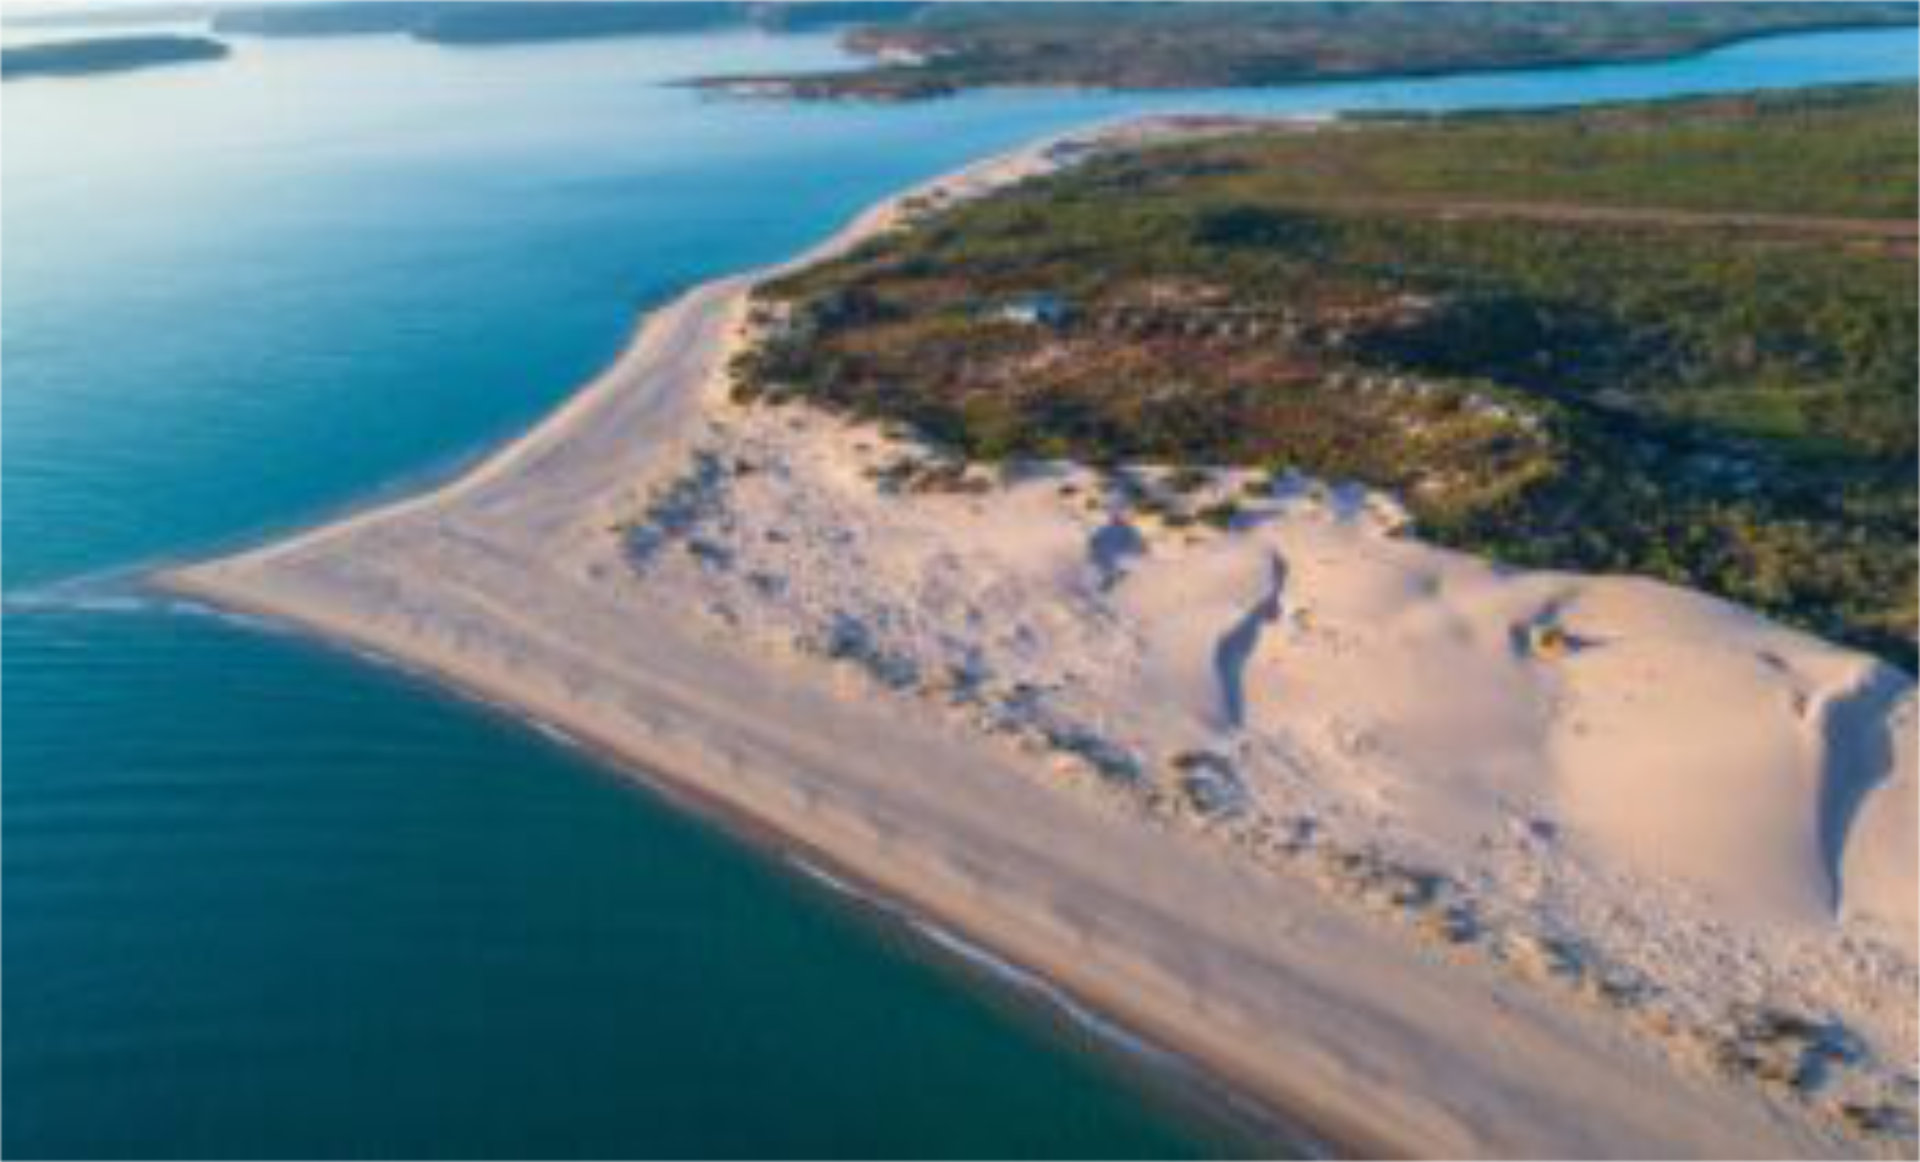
<point x="1437" y="858"/>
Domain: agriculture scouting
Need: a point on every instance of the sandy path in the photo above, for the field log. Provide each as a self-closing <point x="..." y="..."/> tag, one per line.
<point x="1889" y="229"/>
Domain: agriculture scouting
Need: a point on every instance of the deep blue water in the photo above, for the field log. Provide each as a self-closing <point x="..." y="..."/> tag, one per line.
<point x="263" y="899"/>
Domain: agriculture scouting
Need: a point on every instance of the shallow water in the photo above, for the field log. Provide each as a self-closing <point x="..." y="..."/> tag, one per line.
<point x="261" y="898"/>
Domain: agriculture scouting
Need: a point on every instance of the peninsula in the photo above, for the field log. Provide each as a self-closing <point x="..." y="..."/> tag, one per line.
<point x="946" y="48"/>
<point x="1431" y="855"/>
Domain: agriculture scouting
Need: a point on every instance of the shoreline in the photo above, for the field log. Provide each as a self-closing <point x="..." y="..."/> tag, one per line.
<point x="1107" y="1020"/>
<point x="1173" y="1075"/>
<point x="497" y="584"/>
<point x="787" y="86"/>
<point x="1149" y="1046"/>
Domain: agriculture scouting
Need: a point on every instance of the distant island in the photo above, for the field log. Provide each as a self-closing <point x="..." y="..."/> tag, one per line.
<point x="514" y="21"/>
<point x="105" y="55"/>
<point x="924" y="49"/>
<point x="459" y="22"/>
<point x="950" y="47"/>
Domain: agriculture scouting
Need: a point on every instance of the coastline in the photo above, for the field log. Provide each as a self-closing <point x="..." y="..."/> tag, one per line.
<point x="1172" y="1073"/>
<point x="498" y="585"/>
<point x="782" y="86"/>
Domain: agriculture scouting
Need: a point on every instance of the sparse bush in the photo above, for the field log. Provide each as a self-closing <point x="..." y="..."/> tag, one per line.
<point x="1220" y="515"/>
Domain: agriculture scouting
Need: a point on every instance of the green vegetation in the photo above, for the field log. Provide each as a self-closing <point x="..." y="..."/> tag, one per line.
<point x="1675" y="339"/>
<point x="948" y="47"/>
<point x="1842" y="152"/>
<point x="105" y="54"/>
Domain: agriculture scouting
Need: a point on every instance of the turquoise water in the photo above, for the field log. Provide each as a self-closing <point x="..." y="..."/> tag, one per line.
<point x="263" y="899"/>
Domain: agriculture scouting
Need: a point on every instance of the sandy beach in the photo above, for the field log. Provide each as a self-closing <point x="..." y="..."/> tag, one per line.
<point x="1433" y="858"/>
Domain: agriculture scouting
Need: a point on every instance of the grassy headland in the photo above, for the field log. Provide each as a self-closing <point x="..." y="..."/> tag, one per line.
<point x="945" y="48"/>
<point x="1674" y="339"/>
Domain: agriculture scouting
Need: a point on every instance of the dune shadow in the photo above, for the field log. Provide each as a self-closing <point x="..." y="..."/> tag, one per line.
<point x="1236" y="646"/>
<point x="1859" y="757"/>
<point x="1112" y="547"/>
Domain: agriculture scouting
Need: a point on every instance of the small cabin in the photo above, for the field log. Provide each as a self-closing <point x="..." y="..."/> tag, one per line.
<point x="1035" y="310"/>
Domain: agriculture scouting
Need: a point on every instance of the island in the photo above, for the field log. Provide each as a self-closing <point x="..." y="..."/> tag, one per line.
<point x="1267" y="577"/>
<point x="951" y="47"/>
<point x="456" y="22"/>
<point x="105" y="54"/>
<point x="917" y="49"/>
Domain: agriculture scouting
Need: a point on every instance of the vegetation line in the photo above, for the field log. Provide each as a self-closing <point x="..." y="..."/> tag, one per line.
<point x="1497" y="318"/>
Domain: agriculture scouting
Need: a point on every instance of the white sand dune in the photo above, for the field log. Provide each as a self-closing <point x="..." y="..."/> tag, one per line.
<point x="1439" y="857"/>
